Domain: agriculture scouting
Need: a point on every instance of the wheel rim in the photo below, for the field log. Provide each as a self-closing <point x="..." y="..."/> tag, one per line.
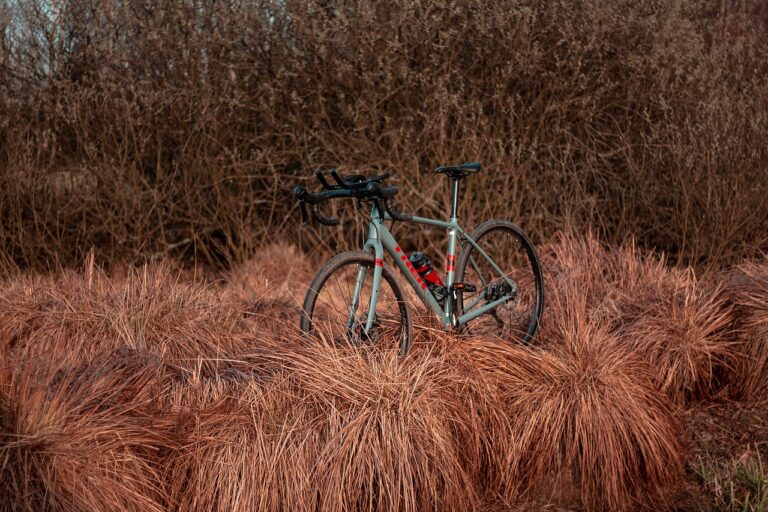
<point x="517" y="318"/>
<point x="333" y="321"/>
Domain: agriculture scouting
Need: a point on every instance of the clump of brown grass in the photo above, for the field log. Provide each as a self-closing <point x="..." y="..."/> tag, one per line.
<point x="270" y="286"/>
<point x="577" y="260"/>
<point x="747" y="288"/>
<point x="245" y="448"/>
<point x="83" y="439"/>
<point x="685" y="335"/>
<point x="669" y="318"/>
<point x="587" y="412"/>
<point x="344" y="429"/>
<point x="614" y="283"/>
<point x="73" y="317"/>
<point x="391" y="430"/>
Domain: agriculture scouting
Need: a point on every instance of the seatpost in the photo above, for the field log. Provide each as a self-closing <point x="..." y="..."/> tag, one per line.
<point x="455" y="198"/>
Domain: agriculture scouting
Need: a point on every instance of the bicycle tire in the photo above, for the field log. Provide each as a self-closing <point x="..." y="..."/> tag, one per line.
<point x="481" y="236"/>
<point x="322" y="281"/>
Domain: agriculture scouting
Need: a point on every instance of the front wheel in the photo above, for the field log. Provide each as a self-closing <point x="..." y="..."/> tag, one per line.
<point x="338" y="300"/>
<point x="516" y="274"/>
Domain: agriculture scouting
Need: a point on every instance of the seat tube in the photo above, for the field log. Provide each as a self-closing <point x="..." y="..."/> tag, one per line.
<point x="450" y="258"/>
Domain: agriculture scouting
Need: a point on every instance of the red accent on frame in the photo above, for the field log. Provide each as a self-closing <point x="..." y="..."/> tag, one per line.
<point x="409" y="266"/>
<point x="379" y="262"/>
<point x="450" y="263"/>
<point x="397" y="248"/>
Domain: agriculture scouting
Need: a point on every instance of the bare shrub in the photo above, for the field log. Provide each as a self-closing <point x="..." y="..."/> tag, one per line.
<point x="179" y="128"/>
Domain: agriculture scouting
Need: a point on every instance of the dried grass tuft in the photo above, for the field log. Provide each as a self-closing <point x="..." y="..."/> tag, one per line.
<point x="344" y="429"/>
<point x="747" y="288"/>
<point x="83" y="439"/>
<point x="666" y="316"/>
<point x="392" y="431"/>
<point x="615" y="283"/>
<point x="75" y="316"/>
<point x="270" y="287"/>
<point x="244" y="449"/>
<point x="685" y="334"/>
<point x="587" y="415"/>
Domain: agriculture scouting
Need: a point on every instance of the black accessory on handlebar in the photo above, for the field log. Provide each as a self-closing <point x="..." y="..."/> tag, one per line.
<point x="355" y="181"/>
<point x="355" y="186"/>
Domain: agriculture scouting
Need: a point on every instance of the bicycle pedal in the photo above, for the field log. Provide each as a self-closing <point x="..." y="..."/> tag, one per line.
<point x="463" y="288"/>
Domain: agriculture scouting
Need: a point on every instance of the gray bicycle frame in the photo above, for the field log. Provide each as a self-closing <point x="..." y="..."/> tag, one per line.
<point x="380" y="240"/>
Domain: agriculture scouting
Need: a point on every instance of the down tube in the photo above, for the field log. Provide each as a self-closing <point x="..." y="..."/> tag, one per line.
<point x="413" y="278"/>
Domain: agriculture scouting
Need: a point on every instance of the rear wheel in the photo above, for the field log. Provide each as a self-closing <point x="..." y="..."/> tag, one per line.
<point x="515" y="257"/>
<point x="329" y="311"/>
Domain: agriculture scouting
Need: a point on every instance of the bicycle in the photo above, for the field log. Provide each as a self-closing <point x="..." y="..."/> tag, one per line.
<point x="356" y="297"/>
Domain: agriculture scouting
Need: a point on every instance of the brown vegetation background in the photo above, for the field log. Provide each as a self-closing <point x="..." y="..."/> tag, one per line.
<point x="146" y="129"/>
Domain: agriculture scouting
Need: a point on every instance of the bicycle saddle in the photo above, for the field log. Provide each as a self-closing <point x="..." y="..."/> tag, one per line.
<point x="459" y="171"/>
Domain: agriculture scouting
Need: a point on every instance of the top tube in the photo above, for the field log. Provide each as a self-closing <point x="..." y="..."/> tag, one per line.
<point x="430" y="222"/>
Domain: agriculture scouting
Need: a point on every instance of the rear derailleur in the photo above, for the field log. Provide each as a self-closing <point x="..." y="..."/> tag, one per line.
<point x="491" y="293"/>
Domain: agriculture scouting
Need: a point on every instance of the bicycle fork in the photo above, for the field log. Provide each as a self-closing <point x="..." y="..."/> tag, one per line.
<point x="372" y="245"/>
<point x="361" y="273"/>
